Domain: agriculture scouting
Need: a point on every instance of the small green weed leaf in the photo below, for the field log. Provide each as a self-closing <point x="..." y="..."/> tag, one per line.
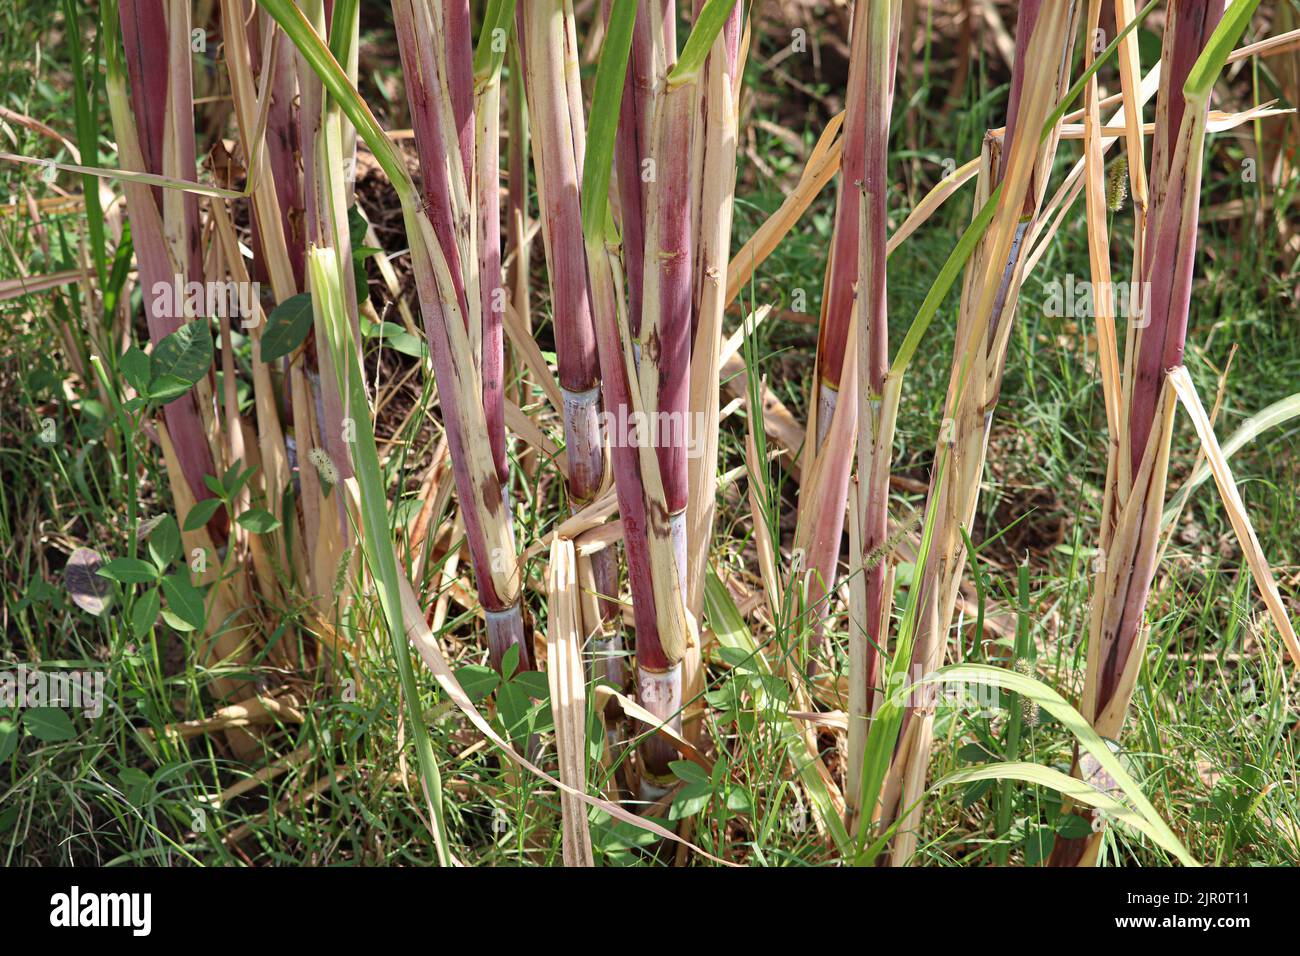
<point x="201" y="513"/>
<point x="184" y="356"/>
<point x="258" y="521"/>
<point x="145" y="613"/>
<point x="129" y="571"/>
<point x="49" y="725"/>
<point x="184" y="600"/>
<point x="286" y="327"/>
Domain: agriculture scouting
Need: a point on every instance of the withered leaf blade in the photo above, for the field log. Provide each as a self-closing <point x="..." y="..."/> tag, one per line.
<point x="88" y="590"/>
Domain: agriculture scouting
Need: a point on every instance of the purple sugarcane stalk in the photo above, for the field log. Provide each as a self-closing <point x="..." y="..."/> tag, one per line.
<point x="551" y="68"/>
<point x="1167" y="268"/>
<point x="447" y="147"/>
<point x="873" y="323"/>
<point x="149" y="42"/>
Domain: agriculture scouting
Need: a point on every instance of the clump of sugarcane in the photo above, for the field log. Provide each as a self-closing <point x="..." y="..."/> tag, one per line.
<point x="1138" y="463"/>
<point x="678" y="108"/>
<point x="286" y="122"/>
<point x="445" y="226"/>
<point x="148" y="41"/>
<point x="1019" y="165"/>
<point x="550" y="59"/>
<point x="454" y="97"/>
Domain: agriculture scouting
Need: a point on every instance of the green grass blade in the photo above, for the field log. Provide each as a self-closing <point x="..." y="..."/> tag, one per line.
<point x="87" y="115"/>
<point x="1076" y="790"/>
<point x="376" y="540"/>
<point x="602" y="125"/>
<point x="1280" y="412"/>
<point x="731" y="631"/>
<point x="1073" y="721"/>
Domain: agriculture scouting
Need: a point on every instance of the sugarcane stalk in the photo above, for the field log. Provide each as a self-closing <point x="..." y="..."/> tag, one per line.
<point x="164" y="222"/>
<point x="631" y="152"/>
<point x="488" y="58"/>
<point x="664" y="349"/>
<point x="855" y="282"/>
<point x="551" y="65"/>
<point x="518" y="243"/>
<point x="149" y="42"/>
<point x="876" y="419"/>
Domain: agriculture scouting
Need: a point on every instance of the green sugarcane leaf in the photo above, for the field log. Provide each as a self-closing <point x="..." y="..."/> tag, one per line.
<point x="888" y="720"/>
<point x="490" y="51"/>
<point x="184" y="600"/>
<point x="129" y="571"/>
<point x="1210" y="63"/>
<point x="1078" y="791"/>
<point x="1052" y="702"/>
<point x="707" y="27"/>
<point x="322" y="62"/>
<point x="943" y="282"/>
<point x="286" y="327"/>
<point x="335" y="331"/>
<point x="602" y="125"/>
<point x="180" y="360"/>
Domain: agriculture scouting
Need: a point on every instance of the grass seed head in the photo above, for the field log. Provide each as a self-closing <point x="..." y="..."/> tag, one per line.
<point x="1117" y="184"/>
<point x="325" y="467"/>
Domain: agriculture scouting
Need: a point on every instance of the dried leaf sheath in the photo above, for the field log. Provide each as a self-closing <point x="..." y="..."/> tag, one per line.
<point x="716" y="132"/>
